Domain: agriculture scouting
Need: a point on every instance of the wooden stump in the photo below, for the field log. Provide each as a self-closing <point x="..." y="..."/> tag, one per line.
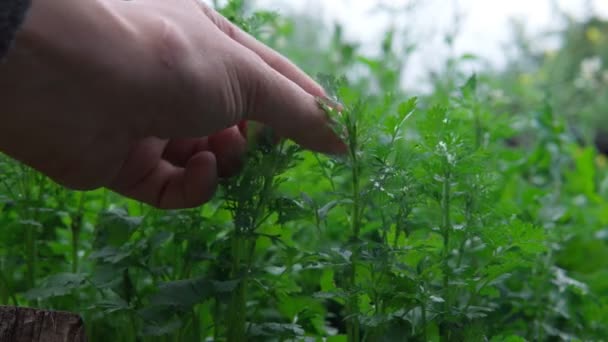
<point x="33" y="325"/>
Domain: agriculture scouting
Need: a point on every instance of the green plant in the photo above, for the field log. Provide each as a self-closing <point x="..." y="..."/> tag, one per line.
<point x="454" y="216"/>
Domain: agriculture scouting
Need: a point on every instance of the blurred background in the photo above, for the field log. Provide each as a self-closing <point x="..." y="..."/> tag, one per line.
<point x="482" y="28"/>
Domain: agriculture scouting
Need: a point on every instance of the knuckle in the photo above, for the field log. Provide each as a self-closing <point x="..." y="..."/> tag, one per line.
<point x="252" y="81"/>
<point x="208" y="11"/>
<point x="170" y="43"/>
<point x="275" y="60"/>
<point x="221" y="22"/>
<point x="228" y="28"/>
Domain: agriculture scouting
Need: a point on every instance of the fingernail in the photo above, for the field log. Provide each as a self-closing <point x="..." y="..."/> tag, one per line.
<point x="331" y="103"/>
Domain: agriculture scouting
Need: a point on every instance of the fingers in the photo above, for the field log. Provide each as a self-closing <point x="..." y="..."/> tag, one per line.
<point x="276" y="92"/>
<point x="179" y="151"/>
<point x="275" y="60"/>
<point x="275" y="100"/>
<point x="147" y="177"/>
<point x="181" y="173"/>
<point x="170" y="187"/>
<point x="229" y="147"/>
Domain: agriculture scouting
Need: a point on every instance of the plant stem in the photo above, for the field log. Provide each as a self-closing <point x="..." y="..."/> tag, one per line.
<point x="76" y="227"/>
<point x="238" y="305"/>
<point x="75" y="238"/>
<point x="251" y="248"/>
<point x="30" y="248"/>
<point x="216" y="319"/>
<point x="352" y="324"/>
<point x="540" y="310"/>
<point x="468" y="224"/>
<point x="424" y="322"/>
<point x="236" y="312"/>
<point x="249" y="214"/>
<point x="196" y="325"/>
<point x="130" y="295"/>
<point x="478" y="128"/>
<point x="30" y="233"/>
<point x="445" y="228"/>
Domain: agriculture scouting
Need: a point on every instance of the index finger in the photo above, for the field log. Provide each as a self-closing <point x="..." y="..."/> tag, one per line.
<point x="274" y="59"/>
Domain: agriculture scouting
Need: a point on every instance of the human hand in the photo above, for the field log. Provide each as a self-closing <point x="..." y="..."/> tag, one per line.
<point x="144" y="97"/>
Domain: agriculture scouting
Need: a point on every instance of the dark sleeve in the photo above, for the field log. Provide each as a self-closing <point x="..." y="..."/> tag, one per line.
<point x="12" y="13"/>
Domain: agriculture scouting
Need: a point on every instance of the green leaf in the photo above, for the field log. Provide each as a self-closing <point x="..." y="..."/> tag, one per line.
<point x="508" y="338"/>
<point x="111" y="305"/>
<point x="115" y="227"/>
<point x="276" y="330"/>
<point x="432" y="332"/>
<point x="106" y="276"/>
<point x="583" y="178"/>
<point x="289" y="210"/>
<point x="490" y="291"/>
<point x="111" y="254"/>
<point x="470" y="87"/>
<point x="184" y="294"/>
<point x="57" y="285"/>
<point x="159" y="238"/>
<point x="225" y="286"/>
<point x="335" y="295"/>
<point x="437" y="299"/>
<point x="323" y="211"/>
<point x="161" y="329"/>
<point x="327" y="281"/>
<point x="405" y="110"/>
<point x="563" y="282"/>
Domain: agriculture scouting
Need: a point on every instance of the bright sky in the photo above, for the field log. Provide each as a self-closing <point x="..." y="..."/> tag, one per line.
<point x="484" y="25"/>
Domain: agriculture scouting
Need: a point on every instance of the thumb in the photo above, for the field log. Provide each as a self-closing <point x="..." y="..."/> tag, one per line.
<point x="276" y="101"/>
